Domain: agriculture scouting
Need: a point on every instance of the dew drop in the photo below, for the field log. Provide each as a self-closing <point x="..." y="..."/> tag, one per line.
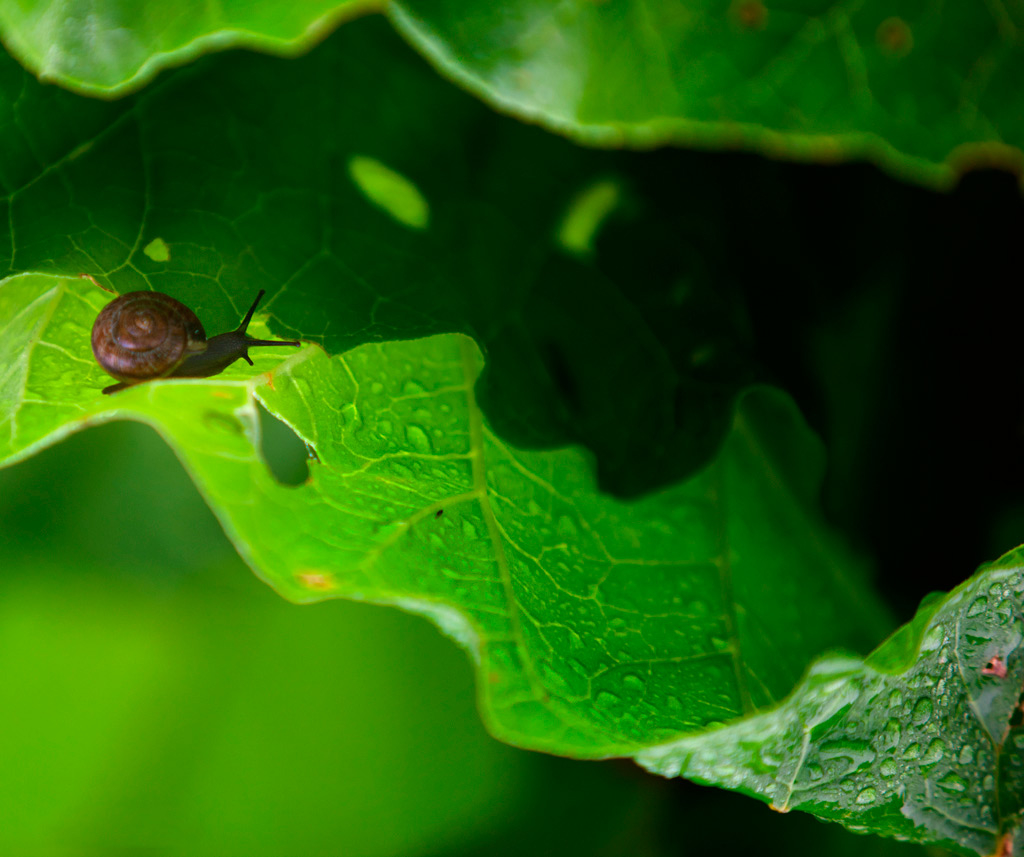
<point x="933" y="638"/>
<point x="633" y="683"/>
<point x="566" y="529"/>
<point x="377" y="387"/>
<point x="888" y="768"/>
<point x="922" y="711"/>
<point x="966" y="755"/>
<point x="606" y="701"/>
<point x="815" y="771"/>
<point x="978" y="606"/>
<point x="867" y="796"/>
<point x="912" y="751"/>
<point x="413" y="388"/>
<point x="469" y="530"/>
<point x="953" y="783"/>
<point x="553" y="681"/>
<point x="988" y="783"/>
<point x="418" y="439"/>
<point x="936" y="750"/>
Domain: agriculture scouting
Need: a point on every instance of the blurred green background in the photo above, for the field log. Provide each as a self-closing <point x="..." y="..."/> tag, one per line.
<point x="157" y="699"/>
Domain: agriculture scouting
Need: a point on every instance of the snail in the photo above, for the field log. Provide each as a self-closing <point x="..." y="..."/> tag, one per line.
<point x="145" y="335"/>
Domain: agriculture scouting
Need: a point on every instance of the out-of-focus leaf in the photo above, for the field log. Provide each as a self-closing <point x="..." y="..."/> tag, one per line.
<point x="108" y="48"/>
<point x="921" y="89"/>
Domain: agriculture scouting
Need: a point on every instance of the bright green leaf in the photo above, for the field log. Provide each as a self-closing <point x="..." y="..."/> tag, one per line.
<point x="597" y="625"/>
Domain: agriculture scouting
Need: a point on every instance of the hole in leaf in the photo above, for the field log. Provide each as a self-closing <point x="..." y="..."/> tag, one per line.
<point x="390" y="191"/>
<point x="157" y="250"/>
<point x="587" y="212"/>
<point x="285" y="453"/>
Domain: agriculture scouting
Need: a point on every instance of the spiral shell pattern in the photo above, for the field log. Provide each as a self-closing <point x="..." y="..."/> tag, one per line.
<point x="144" y="335"/>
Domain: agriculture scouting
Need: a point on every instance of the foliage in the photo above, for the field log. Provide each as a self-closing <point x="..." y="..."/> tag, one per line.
<point x="533" y="414"/>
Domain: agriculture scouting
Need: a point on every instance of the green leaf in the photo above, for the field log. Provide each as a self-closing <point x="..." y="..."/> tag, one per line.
<point x="922" y="90"/>
<point x="597" y="625"/>
<point x="110" y="48"/>
<point x="925" y="93"/>
<point x="923" y="741"/>
<point x="365" y="218"/>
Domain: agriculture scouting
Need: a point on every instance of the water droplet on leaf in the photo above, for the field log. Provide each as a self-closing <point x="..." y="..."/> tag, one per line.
<point x="953" y="783"/>
<point x="418" y="439"/>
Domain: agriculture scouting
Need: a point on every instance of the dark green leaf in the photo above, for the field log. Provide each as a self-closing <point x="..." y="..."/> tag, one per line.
<point x="924" y="90"/>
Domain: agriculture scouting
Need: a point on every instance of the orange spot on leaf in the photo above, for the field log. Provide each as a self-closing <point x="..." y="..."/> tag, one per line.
<point x="220" y="394"/>
<point x="270" y="379"/>
<point x="749" y="14"/>
<point x="96" y="283"/>
<point x="996" y="666"/>
<point x="320" y="581"/>
<point x="894" y="37"/>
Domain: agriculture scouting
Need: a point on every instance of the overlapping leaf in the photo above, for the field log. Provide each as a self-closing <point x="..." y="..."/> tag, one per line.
<point x="924" y="91"/>
<point x="924" y="741"/>
<point x="111" y="48"/>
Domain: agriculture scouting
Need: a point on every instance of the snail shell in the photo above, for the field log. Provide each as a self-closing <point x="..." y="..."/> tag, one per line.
<point x="144" y="335"/>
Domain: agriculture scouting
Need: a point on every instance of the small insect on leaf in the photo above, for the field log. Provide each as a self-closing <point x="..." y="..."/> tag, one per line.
<point x="996" y="666"/>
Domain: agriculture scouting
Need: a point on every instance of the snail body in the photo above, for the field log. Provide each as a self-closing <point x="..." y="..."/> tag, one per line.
<point x="141" y="336"/>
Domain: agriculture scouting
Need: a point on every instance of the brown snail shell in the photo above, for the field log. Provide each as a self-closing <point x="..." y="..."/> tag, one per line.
<point x="143" y="335"/>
